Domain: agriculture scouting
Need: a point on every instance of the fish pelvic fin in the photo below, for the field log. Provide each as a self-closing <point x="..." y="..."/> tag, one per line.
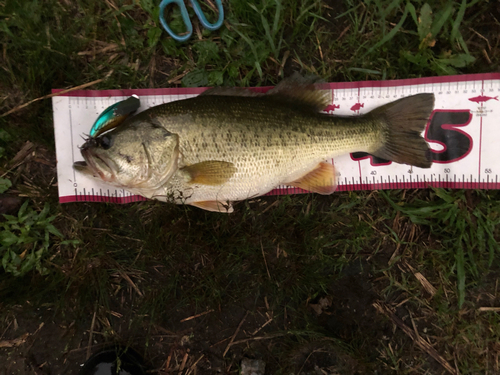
<point x="403" y="122"/>
<point x="321" y="180"/>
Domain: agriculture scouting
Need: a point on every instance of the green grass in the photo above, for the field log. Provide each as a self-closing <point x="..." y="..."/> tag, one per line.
<point x="142" y="268"/>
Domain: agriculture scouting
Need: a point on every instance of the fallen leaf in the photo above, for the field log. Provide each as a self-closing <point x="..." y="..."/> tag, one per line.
<point x="14" y="342"/>
<point x="323" y="304"/>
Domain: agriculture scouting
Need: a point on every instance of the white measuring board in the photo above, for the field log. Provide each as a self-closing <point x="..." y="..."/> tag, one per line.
<point x="463" y="132"/>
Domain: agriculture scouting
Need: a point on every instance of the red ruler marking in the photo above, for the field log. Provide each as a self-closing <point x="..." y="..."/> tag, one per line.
<point x="480" y="133"/>
<point x="359" y="162"/>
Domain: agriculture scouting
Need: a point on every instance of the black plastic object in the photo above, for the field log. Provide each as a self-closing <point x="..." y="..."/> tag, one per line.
<point x="116" y="360"/>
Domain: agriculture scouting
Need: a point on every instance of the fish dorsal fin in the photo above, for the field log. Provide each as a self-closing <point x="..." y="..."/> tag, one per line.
<point x="214" y="206"/>
<point x="211" y="172"/>
<point x="230" y="91"/>
<point x="321" y="180"/>
<point x="310" y="92"/>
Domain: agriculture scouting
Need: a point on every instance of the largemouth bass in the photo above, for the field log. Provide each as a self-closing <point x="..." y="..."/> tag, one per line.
<point x="228" y="145"/>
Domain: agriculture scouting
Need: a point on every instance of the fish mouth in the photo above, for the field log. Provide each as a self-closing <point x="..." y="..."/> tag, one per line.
<point x="94" y="165"/>
<point x="82" y="167"/>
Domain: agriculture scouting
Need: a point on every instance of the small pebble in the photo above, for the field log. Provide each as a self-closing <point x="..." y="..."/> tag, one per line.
<point x="252" y="367"/>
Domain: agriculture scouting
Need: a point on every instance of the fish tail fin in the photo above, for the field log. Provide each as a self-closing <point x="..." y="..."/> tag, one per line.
<point x="403" y="122"/>
<point x="496" y="98"/>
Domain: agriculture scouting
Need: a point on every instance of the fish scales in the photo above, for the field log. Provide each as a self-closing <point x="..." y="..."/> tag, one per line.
<point x="260" y="136"/>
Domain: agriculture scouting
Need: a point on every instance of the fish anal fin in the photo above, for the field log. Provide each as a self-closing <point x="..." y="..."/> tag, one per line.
<point x="321" y="180"/>
<point x="211" y="172"/>
<point x="214" y="206"/>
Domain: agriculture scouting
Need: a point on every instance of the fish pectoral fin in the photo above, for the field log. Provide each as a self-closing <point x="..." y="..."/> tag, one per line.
<point x="214" y="206"/>
<point x="210" y="172"/>
<point x="321" y="180"/>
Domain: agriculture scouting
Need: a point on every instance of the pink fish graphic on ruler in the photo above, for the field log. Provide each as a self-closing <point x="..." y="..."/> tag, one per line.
<point x="357" y="106"/>
<point x="332" y="107"/>
<point x="482" y="98"/>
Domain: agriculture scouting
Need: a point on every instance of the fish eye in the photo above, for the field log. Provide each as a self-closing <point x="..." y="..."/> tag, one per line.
<point x="105" y="142"/>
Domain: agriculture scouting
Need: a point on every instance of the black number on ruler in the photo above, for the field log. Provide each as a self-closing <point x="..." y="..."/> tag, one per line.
<point x="442" y="129"/>
<point x="487" y="170"/>
<point x="374" y="160"/>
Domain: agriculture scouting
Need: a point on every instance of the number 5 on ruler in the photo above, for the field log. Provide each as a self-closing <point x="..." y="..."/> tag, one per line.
<point x="441" y="129"/>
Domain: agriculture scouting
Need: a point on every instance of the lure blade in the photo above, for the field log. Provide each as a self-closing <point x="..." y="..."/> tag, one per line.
<point x="114" y="115"/>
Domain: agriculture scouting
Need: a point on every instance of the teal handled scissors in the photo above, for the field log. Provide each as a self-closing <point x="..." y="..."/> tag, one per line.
<point x="185" y="18"/>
